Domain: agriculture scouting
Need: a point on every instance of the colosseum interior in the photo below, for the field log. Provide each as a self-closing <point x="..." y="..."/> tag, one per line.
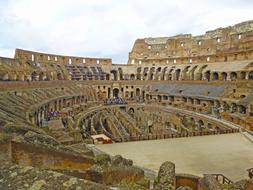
<point x="180" y="113"/>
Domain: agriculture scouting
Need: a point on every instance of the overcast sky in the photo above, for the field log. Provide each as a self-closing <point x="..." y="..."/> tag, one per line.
<point x="108" y="28"/>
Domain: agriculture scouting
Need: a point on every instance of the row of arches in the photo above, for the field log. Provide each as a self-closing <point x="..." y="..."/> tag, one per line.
<point x="34" y="76"/>
<point x="174" y="73"/>
<point x="146" y="73"/>
<point x="117" y="93"/>
<point x="42" y="113"/>
<point x="214" y="106"/>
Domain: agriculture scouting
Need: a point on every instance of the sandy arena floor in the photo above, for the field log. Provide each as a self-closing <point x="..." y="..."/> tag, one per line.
<point x="229" y="154"/>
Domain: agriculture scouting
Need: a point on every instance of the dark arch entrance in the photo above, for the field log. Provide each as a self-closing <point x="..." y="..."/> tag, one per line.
<point x="251" y="75"/>
<point x="115" y="92"/>
<point x="137" y="92"/>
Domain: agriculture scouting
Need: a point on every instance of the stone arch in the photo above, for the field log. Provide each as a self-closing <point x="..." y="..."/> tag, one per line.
<point x="50" y="75"/>
<point x="209" y="126"/>
<point x="35" y="76"/>
<point x="159" y="98"/>
<point x="233" y="76"/>
<point x="170" y="74"/>
<point x="250" y="77"/>
<point x="115" y="92"/>
<point x="107" y="77"/>
<point x="224" y="76"/>
<point x="199" y="75"/>
<point x="200" y="124"/>
<point x="192" y="73"/>
<point x="114" y="75"/>
<point x="177" y="74"/>
<point x="145" y="73"/>
<point x="233" y="108"/>
<point x="184" y="73"/>
<point x="130" y="111"/>
<point x="192" y="120"/>
<point x="151" y="74"/>
<point x="158" y="73"/>
<point x="120" y="73"/>
<point x="242" y="109"/>
<point x="207" y="75"/>
<point x="215" y="76"/>
<point x="164" y="73"/>
<point x="138" y="75"/>
<point x="132" y="77"/>
<point x="243" y="75"/>
<point x="159" y="69"/>
<point x="184" y="99"/>
<point x="126" y="94"/>
<point x="137" y="92"/>
<point x="225" y="106"/>
<point x="42" y="76"/>
<point x="27" y="77"/>
<point x="59" y="76"/>
<point x="217" y="104"/>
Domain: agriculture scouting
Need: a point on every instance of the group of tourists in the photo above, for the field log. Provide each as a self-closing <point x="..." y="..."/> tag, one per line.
<point x="113" y="101"/>
<point x="51" y="114"/>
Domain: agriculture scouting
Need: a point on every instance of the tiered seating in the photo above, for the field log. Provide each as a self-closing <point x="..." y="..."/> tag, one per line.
<point x="80" y="72"/>
<point x="17" y="107"/>
<point x="101" y="73"/>
<point x="74" y="72"/>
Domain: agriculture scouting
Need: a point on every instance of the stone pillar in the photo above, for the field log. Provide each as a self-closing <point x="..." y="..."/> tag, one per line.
<point x="166" y="179"/>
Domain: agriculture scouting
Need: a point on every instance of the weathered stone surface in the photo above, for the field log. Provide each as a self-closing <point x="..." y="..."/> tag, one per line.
<point x="20" y="129"/>
<point x="103" y="160"/>
<point x="36" y="138"/>
<point x="208" y="182"/>
<point x="184" y="188"/>
<point x="131" y="186"/>
<point x="239" y="185"/>
<point x="32" y="110"/>
<point x="14" y="177"/>
<point x="81" y="149"/>
<point x="118" y="160"/>
<point x="249" y="185"/>
<point x="166" y="177"/>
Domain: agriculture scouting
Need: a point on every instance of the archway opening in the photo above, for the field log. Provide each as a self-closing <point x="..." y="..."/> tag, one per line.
<point x="114" y="75"/>
<point x="137" y="92"/>
<point x="243" y="75"/>
<point x="233" y="76"/>
<point x="207" y="75"/>
<point x="177" y="74"/>
<point x="224" y="76"/>
<point x="115" y="92"/>
<point x="251" y="75"/>
<point x="215" y="76"/>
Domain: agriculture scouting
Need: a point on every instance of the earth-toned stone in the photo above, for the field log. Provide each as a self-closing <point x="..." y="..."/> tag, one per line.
<point x="166" y="177"/>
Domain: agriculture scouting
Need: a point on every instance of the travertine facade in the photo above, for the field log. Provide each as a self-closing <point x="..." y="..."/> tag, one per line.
<point x="198" y="85"/>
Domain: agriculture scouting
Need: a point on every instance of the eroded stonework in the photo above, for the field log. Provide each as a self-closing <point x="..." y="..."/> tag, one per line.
<point x="54" y="108"/>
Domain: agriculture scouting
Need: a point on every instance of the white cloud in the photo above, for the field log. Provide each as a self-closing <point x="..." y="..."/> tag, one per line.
<point x="108" y="28"/>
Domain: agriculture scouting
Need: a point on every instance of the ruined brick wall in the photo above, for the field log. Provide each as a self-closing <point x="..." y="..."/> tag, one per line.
<point x="52" y="58"/>
<point x="42" y="157"/>
<point x="187" y="180"/>
<point x="222" y="44"/>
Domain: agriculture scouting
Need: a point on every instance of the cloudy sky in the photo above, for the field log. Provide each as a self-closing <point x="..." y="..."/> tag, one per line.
<point x="108" y="28"/>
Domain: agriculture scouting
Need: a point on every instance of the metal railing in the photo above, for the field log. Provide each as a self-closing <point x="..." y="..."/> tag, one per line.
<point x="169" y="135"/>
<point x="222" y="179"/>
